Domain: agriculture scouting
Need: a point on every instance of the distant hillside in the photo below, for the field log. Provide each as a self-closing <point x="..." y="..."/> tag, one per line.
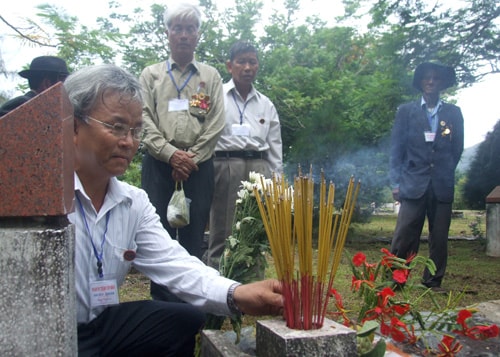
<point x="467" y="157"/>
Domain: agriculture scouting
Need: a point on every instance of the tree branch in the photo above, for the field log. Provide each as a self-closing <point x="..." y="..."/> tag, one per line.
<point x="23" y="35"/>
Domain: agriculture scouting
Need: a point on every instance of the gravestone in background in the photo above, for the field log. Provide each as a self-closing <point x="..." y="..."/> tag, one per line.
<point x="493" y="223"/>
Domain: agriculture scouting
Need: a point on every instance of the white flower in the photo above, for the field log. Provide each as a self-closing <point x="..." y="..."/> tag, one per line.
<point x="237" y="225"/>
<point x="254" y="177"/>
<point x="247" y="186"/>
<point x="232" y="242"/>
<point x="242" y="194"/>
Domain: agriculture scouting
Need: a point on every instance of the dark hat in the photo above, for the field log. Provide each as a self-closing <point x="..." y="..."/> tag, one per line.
<point x="46" y="64"/>
<point x="446" y="73"/>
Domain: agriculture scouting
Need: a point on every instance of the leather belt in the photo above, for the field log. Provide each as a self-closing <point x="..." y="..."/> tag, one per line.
<point x="243" y="154"/>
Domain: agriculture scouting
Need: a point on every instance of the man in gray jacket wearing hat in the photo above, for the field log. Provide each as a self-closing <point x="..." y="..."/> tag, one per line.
<point x="44" y="72"/>
<point x="426" y="144"/>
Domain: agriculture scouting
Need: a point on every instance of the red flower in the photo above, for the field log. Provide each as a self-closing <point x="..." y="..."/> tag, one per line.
<point x="383" y="308"/>
<point x="401" y="309"/>
<point x="356" y="283"/>
<point x="410" y="258"/>
<point x="449" y="347"/>
<point x="373" y="314"/>
<point x="385" y="329"/>
<point x="398" y="329"/>
<point x="492" y="331"/>
<point x="400" y="333"/>
<point x="400" y="275"/>
<point x="340" y="307"/>
<point x="385" y="294"/>
<point x="358" y="259"/>
<point x="482" y="332"/>
<point x="388" y="258"/>
<point x="462" y="316"/>
<point x="412" y="338"/>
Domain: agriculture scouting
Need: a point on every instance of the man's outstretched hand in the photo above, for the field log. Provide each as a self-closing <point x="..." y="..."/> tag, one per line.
<point x="260" y="298"/>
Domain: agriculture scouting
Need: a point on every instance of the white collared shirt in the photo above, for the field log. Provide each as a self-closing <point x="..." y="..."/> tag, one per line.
<point x="134" y="225"/>
<point x="259" y="113"/>
<point x="432" y="117"/>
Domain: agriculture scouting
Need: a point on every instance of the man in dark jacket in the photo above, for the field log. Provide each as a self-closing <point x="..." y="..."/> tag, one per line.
<point x="44" y="72"/>
<point x="427" y="142"/>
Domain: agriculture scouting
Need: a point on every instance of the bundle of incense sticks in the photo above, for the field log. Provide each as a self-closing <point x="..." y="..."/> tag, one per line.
<point x="287" y="214"/>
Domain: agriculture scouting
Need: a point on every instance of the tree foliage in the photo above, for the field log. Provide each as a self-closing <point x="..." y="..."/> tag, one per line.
<point x="465" y="38"/>
<point x="484" y="172"/>
<point x="336" y="88"/>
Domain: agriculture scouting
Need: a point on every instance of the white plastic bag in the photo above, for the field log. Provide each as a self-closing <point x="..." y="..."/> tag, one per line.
<point x="178" y="208"/>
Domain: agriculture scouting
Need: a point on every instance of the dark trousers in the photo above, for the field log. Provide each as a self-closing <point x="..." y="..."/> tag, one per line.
<point x="409" y="227"/>
<point x="229" y="172"/>
<point x="157" y="181"/>
<point x="141" y="328"/>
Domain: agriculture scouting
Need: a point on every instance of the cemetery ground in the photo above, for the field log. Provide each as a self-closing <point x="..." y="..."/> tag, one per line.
<point x="472" y="277"/>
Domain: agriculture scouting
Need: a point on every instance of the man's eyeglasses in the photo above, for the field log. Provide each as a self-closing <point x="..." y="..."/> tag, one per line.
<point x="188" y="30"/>
<point x="121" y="130"/>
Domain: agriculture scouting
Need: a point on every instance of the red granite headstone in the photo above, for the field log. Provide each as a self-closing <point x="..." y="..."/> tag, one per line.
<point x="36" y="157"/>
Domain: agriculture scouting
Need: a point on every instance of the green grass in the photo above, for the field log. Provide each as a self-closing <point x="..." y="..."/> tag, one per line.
<point x="469" y="269"/>
<point x="382" y="226"/>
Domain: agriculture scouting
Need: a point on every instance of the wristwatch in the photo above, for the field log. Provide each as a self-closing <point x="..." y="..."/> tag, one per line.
<point x="230" y="300"/>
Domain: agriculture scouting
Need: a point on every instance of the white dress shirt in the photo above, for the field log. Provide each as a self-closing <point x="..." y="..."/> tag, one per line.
<point x="260" y="115"/>
<point x="134" y="226"/>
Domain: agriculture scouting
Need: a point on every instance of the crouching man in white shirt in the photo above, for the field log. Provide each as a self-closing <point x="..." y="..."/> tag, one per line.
<point x="117" y="228"/>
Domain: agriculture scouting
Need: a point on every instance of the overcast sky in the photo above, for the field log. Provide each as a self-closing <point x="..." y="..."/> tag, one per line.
<point x="479" y="103"/>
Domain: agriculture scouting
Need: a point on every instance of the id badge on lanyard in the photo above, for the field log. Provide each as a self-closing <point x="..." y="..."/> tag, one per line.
<point x="429" y="136"/>
<point x="103" y="292"/>
<point x="178" y="105"/>
<point x="240" y="129"/>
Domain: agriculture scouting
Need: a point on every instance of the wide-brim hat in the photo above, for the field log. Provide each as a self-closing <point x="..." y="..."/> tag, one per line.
<point x="446" y="73"/>
<point x="46" y="64"/>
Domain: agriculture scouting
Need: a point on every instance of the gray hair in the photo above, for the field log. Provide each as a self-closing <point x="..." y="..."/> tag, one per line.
<point x="87" y="86"/>
<point x="182" y="11"/>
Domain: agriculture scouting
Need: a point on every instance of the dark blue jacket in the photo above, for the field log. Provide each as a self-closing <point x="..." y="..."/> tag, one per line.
<point x="15" y="102"/>
<point x="415" y="163"/>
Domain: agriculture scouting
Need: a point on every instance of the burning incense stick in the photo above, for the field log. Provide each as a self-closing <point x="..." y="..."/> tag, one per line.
<point x="287" y="214"/>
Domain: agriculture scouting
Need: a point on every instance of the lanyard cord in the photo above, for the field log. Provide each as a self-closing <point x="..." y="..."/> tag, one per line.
<point x="242" y="112"/>
<point x="96" y="252"/>
<point x="179" y="90"/>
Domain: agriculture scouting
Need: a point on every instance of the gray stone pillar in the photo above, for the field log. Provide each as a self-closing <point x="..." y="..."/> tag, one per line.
<point x="37" y="290"/>
<point x="37" y="299"/>
<point x="493" y="223"/>
<point x="274" y="339"/>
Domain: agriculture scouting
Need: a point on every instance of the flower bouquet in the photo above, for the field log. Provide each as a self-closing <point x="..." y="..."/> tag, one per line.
<point x="244" y="257"/>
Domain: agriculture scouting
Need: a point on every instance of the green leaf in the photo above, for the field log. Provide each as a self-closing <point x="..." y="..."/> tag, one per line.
<point x="368" y="328"/>
<point x="377" y="351"/>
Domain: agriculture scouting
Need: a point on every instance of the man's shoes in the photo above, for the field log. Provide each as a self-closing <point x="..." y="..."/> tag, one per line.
<point x="438" y="289"/>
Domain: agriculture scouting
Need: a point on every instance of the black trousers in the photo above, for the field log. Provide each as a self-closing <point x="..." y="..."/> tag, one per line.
<point x="409" y="227"/>
<point x="142" y="328"/>
<point x="157" y="181"/>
